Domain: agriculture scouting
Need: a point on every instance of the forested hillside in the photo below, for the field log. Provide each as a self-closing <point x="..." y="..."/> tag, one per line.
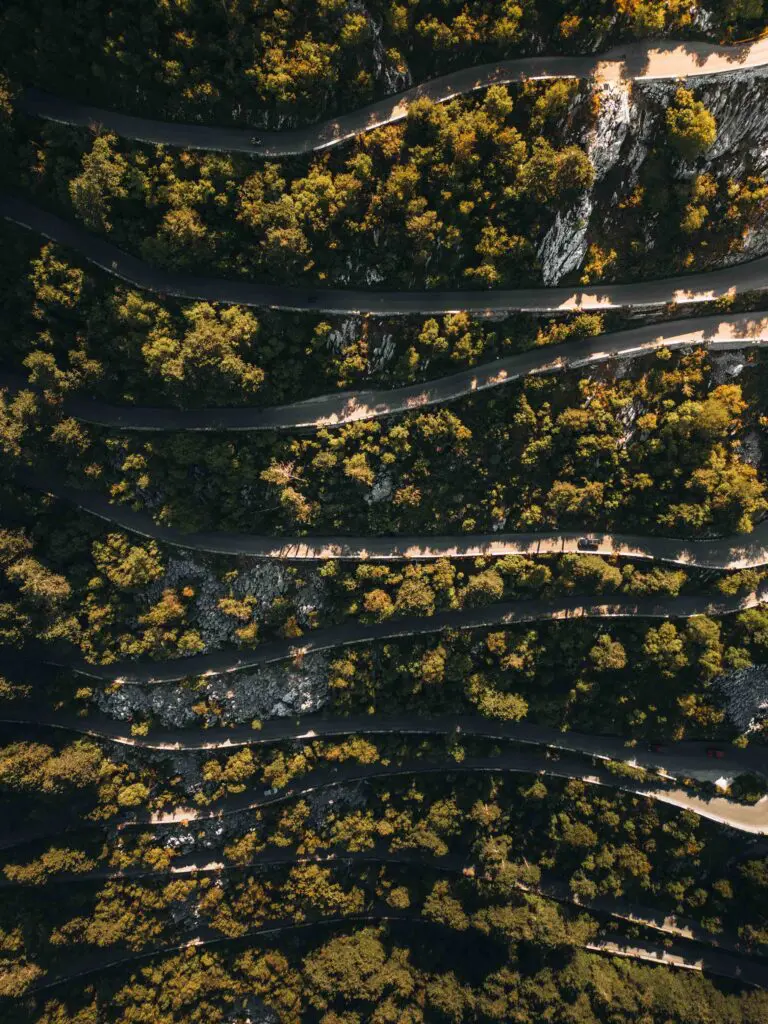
<point x="401" y="666"/>
<point x="263" y="62"/>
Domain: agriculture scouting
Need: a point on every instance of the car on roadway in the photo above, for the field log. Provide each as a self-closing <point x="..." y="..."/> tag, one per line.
<point x="255" y="140"/>
<point x="585" y="544"/>
<point x="714" y="752"/>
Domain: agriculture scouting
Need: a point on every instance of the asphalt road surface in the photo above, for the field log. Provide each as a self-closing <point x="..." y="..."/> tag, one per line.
<point x="681" y="758"/>
<point x="680" y="290"/>
<point x="716" y="333"/>
<point x="139" y="671"/>
<point x="739" y="968"/>
<point x="740" y="551"/>
<point x="628" y="63"/>
<point x="742" y="817"/>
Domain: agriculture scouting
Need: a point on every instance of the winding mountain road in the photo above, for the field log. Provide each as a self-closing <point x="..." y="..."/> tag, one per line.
<point x="681" y="290"/>
<point x="675" y="758"/>
<point x="507" y="613"/>
<point x="748" y="818"/>
<point x="716" y="333"/>
<point x="683" y="955"/>
<point x="741" y="551"/>
<point x="662" y="61"/>
<point x="751" y="818"/>
<point x="631" y="62"/>
<point x="748" y="972"/>
<point x="687" y="929"/>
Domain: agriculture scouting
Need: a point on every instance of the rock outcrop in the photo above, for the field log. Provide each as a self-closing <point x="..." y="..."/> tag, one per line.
<point x="746" y="694"/>
<point x="629" y="123"/>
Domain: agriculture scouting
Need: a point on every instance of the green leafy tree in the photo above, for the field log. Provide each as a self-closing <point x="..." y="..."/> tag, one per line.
<point x="127" y="566"/>
<point x="103" y="179"/>
<point x="212" y="356"/>
<point x="608" y="655"/>
<point x="665" y="648"/>
<point x="691" y="128"/>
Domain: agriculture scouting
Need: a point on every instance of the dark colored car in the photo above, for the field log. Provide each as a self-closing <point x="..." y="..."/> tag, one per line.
<point x="585" y="544"/>
<point x="714" y="752"/>
<point x="656" y="748"/>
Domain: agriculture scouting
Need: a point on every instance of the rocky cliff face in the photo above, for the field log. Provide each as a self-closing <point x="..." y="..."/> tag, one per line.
<point x="272" y="691"/>
<point x="746" y="695"/>
<point x="629" y="124"/>
<point x="565" y="244"/>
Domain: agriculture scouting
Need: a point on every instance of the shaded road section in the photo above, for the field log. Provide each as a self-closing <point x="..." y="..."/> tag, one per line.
<point x="623" y="910"/>
<point x="743" y="817"/>
<point x="631" y="62"/>
<point x="679" y="290"/>
<point x="742" y="969"/>
<point x="741" y="551"/>
<point x="737" y="967"/>
<point x="748" y="818"/>
<point x="138" y="671"/>
<point x="716" y="333"/>
<point x="676" y="758"/>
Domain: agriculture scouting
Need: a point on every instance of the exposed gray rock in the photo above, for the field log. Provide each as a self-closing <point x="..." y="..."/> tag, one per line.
<point x="188" y="767"/>
<point x="394" y="78"/>
<point x="343" y="334"/>
<point x="726" y="366"/>
<point x="373" y="276"/>
<point x="263" y="580"/>
<point x="381" y="490"/>
<point x="627" y="417"/>
<point x="169" y="705"/>
<point x="755" y="241"/>
<point x="701" y="18"/>
<point x="631" y="123"/>
<point x="253" y="1012"/>
<point x="605" y="141"/>
<point x="746" y="693"/>
<point x="750" y="450"/>
<point x="738" y="103"/>
<point x="338" y="800"/>
<point x="272" y="691"/>
<point x="382" y="354"/>
<point x="565" y="244"/>
<point x="753" y="244"/>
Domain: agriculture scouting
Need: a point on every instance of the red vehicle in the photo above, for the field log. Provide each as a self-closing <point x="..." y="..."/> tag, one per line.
<point x="656" y="748"/>
<point x="714" y="752"/>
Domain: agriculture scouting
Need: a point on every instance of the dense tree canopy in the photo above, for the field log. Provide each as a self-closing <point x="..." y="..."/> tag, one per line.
<point x="249" y="60"/>
<point x="415" y="887"/>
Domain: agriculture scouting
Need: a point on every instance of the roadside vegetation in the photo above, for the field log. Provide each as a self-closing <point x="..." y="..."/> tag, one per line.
<point x="455" y="895"/>
<point x="469" y="194"/>
<point x="262" y="63"/>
